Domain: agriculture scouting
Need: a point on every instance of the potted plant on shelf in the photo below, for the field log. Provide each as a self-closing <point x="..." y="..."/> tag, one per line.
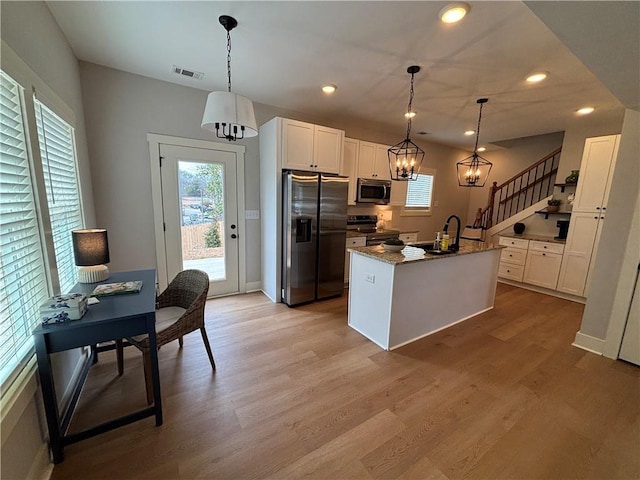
<point x="553" y="204"/>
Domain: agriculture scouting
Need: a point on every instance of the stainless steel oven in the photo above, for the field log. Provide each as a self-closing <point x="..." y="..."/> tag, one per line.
<point x="373" y="191"/>
<point x="366" y="225"/>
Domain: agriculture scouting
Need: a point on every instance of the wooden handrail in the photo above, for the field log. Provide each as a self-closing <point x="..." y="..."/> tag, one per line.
<point x="532" y="167"/>
<point x="486" y="215"/>
<point x="531" y="185"/>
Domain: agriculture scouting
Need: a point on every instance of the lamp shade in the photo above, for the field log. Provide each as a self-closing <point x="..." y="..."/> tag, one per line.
<point x="90" y="247"/>
<point x="226" y="108"/>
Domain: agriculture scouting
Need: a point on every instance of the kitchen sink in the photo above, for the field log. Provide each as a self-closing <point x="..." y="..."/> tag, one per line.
<point x="428" y="248"/>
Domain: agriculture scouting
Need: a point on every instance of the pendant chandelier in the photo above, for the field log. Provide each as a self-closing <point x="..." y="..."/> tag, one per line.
<point x="406" y="157"/>
<point x="473" y="171"/>
<point x="229" y="115"/>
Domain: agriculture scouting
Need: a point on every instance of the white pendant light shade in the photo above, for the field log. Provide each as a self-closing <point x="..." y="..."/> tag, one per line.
<point x="231" y="113"/>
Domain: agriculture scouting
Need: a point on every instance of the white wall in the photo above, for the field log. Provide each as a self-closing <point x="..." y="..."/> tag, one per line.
<point x="31" y="32"/>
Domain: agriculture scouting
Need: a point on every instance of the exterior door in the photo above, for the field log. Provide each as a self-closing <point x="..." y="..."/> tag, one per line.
<point x="199" y="202"/>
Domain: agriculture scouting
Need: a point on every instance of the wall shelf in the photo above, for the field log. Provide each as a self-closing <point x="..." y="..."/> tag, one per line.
<point x="546" y="214"/>
<point x="564" y="185"/>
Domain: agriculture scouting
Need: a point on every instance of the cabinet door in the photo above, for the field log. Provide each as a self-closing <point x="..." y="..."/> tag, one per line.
<point x="542" y="269"/>
<point x="382" y="163"/>
<point x="577" y="253"/>
<point x="366" y="160"/>
<point x="297" y="145"/>
<point x="596" y="171"/>
<point x="328" y="144"/>
<point x="594" y="253"/>
<point x="398" y="193"/>
<point x="349" y="167"/>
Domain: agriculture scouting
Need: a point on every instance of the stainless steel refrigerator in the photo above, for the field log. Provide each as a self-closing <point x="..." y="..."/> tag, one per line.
<point x="314" y="221"/>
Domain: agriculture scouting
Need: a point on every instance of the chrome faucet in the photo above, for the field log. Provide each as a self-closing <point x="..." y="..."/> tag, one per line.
<point x="454" y="246"/>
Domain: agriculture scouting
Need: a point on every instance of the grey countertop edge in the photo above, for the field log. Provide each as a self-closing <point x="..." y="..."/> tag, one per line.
<point x="537" y="238"/>
<point x="414" y="254"/>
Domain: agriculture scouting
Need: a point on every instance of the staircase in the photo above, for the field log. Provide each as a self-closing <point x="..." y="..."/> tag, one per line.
<point x="519" y="192"/>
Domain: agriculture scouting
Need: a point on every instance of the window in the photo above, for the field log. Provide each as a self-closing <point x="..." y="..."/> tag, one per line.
<point x="57" y="151"/>
<point x="419" y="195"/>
<point x="23" y="283"/>
<point x="33" y="264"/>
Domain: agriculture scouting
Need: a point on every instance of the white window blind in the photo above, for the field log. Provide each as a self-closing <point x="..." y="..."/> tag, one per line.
<point x="419" y="192"/>
<point x="57" y="151"/>
<point x="23" y="283"/>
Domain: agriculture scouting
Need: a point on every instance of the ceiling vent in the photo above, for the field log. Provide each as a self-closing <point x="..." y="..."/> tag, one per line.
<point x="187" y="73"/>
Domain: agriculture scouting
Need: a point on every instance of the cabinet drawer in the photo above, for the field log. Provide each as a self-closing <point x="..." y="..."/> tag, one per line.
<point x="511" y="271"/>
<point x="408" y="237"/>
<point x="514" y="256"/>
<point x="546" y="247"/>
<point x="514" y="242"/>
<point x="356" y="242"/>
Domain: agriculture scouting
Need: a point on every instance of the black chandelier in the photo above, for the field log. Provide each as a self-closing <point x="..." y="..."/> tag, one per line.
<point x="473" y="171"/>
<point x="406" y="157"/>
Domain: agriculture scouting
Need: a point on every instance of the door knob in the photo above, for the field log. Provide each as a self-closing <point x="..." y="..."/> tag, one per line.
<point x="233" y="235"/>
<point x="233" y="227"/>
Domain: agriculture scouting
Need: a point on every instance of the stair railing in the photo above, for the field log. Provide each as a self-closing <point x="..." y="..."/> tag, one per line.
<point x="521" y="191"/>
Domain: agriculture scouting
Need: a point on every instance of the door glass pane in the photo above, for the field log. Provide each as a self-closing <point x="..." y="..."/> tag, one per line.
<point x="201" y="191"/>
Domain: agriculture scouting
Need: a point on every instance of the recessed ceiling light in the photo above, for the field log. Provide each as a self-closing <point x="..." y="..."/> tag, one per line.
<point x="468" y="133"/>
<point x="536" y="77"/>
<point x="329" y="88"/>
<point x="409" y="114"/>
<point x="482" y="149"/>
<point x="454" y="12"/>
<point x="585" y="111"/>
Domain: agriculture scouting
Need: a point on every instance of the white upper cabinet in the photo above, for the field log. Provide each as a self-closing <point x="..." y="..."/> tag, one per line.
<point x="596" y="172"/>
<point x="373" y="161"/>
<point x="311" y="147"/>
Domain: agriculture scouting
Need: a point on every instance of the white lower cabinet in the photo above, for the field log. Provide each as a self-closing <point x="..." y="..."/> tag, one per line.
<point x="542" y="267"/>
<point x="512" y="258"/>
<point x="582" y="242"/>
<point x="351" y="242"/>
<point x="408" y="237"/>
<point x="531" y="261"/>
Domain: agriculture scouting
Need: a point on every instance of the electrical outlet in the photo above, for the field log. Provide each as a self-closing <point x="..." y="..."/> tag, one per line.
<point x="370" y="277"/>
<point x="252" y="214"/>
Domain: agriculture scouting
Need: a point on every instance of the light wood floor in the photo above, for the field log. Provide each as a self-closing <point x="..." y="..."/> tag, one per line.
<point x="297" y="393"/>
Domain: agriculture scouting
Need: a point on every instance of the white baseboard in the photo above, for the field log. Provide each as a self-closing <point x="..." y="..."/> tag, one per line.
<point x="589" y="343"/>
<point x="546" y="291"/>
<point x="250" y="287"/>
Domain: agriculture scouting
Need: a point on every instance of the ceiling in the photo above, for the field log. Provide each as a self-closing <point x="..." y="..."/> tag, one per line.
<point x="282" y="52"/>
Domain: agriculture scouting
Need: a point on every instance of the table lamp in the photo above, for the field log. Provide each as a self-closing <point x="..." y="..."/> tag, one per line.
<point x="91" y="251"/>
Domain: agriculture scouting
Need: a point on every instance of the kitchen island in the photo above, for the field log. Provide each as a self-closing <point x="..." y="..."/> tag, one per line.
<point x="397" y="298"/>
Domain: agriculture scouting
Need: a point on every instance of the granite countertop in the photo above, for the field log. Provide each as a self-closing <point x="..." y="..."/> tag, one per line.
<point x="537" y="238"/>
<point x="354" y="233"/>
<point x="413" y="254"/>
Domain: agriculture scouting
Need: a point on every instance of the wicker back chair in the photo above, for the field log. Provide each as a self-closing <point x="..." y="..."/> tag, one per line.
<point x="179" y="310"/>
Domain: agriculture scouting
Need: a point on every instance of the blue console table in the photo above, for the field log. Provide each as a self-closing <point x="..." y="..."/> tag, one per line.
<point x="114" y="318"/>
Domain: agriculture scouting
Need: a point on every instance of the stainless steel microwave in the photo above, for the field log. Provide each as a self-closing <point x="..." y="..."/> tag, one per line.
<point x="373" y="191"/>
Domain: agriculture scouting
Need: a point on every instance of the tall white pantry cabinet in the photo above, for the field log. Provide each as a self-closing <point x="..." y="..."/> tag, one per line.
<point x="589" y="209"/>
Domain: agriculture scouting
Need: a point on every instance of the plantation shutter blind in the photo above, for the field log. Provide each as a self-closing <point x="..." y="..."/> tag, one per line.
<point x="57" y="151"/>
<point x="23" y="283"/>
<point x="419" y="192"/>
